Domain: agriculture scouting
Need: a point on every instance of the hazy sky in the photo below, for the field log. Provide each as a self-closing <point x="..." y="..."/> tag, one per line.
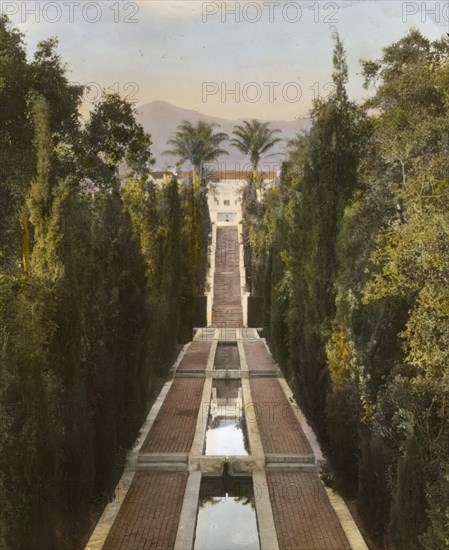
<point x="275" y="55"/>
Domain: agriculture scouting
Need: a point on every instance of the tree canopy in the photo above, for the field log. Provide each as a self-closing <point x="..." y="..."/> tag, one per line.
<point x="350" y="251"/>
<point x="97" y="282"/>
<point x="254" y="138"/>
<point x="198" y="144"/>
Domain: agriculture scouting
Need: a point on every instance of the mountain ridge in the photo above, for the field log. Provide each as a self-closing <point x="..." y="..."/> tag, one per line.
<point x="160" y="119"/>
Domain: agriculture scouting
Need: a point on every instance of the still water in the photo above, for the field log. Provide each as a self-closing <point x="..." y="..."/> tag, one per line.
<point x="226" y="436"/>
<point x="226" y="515"/>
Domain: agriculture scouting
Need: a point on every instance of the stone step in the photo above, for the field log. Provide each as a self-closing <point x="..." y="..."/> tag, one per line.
<point x="162" y="457"/>
<point x="235" y="319"/>
<point x="232" y="374"/>
<point x="262" y="374"/>
<point x="225" y="316"/>
<point x="289" y="458"/>
<point x="237" y="322"/>
<point x="163" y="466"/>
<point x="190" y="374"/>
<point x="227" y="302"/>
<point x="225" y="293"/>
<point x="190" y="370"/>
<point x="291" y="467"/>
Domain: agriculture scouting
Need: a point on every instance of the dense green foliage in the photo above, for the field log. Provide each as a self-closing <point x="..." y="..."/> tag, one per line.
<point x="200" y="145"/>
<point x="95" y="275"/>
<point x="351" y="251"/>
<point x="254" y="139"/>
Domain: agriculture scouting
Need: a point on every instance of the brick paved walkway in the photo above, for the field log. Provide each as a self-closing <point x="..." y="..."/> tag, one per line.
<point x="149" y="516"/>
<point x="195" y="358"/>
<point x="174" y="427"/>
<point x="303" y="517"/>
<point x="279" y="428"/>
<point x="257" y="357"/>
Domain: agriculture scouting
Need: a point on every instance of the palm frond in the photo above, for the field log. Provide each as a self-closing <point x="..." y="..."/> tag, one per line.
<point x="254" y="138"/>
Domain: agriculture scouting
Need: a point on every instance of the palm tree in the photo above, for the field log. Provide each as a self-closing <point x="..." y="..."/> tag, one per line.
<point x="197" y="145"/>
<point x="254" y="138"/>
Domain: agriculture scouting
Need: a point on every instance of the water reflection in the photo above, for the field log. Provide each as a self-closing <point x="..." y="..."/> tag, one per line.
<point x="226" y="436"/>
<point x="226" y="515"/>
<point x="226" y="427"/>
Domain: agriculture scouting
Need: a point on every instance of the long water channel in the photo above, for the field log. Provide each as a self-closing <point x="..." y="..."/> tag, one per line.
<point x="226" y="517"/>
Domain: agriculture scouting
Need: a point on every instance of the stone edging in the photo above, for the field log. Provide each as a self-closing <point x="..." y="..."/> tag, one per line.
<point x="264" y="512"/>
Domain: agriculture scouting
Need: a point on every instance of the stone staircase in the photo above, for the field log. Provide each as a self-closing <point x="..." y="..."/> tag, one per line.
<point x="227" y="305"/>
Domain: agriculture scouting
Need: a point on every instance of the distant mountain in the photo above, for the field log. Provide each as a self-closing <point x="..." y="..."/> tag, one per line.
<point x="160" y="119"/>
